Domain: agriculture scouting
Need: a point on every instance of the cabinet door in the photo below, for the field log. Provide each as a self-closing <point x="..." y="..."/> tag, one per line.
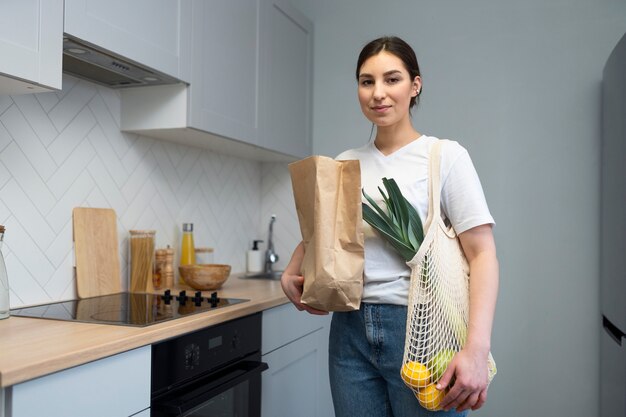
<point x="31" y="45"/>
<point x="115" y="386"/>
<point x="150" y="32"/>
<point x="225" y="62"/>
<point x="296" y="382"/>
<point x="287" y="42"/>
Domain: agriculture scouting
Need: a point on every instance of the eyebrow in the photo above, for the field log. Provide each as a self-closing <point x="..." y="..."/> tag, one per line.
<point x="395" y="71"/>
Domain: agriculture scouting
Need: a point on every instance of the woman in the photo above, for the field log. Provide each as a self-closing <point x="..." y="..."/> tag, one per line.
<point x="366" y="346"/>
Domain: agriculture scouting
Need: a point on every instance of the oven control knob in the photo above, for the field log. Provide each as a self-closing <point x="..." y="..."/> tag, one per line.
<point x="235" y="342"/>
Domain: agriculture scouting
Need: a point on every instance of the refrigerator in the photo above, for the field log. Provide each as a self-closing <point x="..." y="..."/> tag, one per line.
<point x="613" y="236"/>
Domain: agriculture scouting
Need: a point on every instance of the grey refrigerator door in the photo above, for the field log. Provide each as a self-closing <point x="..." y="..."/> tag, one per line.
<point x="613" y="189"/>
<point x="613" y="371"/>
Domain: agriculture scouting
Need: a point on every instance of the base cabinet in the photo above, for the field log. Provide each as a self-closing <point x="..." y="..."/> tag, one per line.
<point x="117" y="386"/>
<point x="295" y="347"/>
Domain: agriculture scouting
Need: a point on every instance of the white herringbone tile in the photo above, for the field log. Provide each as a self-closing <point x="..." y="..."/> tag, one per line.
<point x="31" y="256"/>
<point x="151" y="184"/>
<point x="5" y="103"/>
<point x="25" y="290"/>
<point x="107" y="185"/>
<point x="71" y="103"/>
<point x="25" y="175"/>
<point x="78" y="191"/>
<point x="26" y="139"/>
<point x="77" y="161"/>
<point x="5" y="175"/>
<point x="26" y="214"/>
<point x="72" y="136"/>
<point x="36" y="117"/>
<point x="107" y="155"/>
<point x="111" y="130"/>
<point x="5" y="138"/>
<point x="47" y="100"/>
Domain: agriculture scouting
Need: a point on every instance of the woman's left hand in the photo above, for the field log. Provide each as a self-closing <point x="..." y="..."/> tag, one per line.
<point x="469" y="368"/>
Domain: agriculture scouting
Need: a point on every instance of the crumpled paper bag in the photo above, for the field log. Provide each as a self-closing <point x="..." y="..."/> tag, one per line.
<point x="328" y="202"/>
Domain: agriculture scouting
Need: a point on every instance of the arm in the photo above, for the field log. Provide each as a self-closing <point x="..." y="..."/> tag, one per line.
<point x="469" y="366"/>
<point x="292" y="281"/>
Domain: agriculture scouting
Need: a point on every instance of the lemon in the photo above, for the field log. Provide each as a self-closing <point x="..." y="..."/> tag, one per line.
<point x="430" y="397"/>
<point x="415" y="375"/>
<point x="439" y="363"/>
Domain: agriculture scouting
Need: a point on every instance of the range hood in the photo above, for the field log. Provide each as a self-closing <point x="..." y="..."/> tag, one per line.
<point x="84" y="60"/>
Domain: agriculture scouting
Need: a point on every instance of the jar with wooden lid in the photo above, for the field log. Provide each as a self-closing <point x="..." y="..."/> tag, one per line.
<point x="141" y="248"/>
<point x="164" y="268"/>
<point x="204" y="255"/>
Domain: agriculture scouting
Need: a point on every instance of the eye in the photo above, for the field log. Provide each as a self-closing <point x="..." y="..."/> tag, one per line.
<point x="393" y="80"/>
<point x="366" y="82"/>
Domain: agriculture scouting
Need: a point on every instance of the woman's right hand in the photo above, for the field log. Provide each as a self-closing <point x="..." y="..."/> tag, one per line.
<point x="293" y="282"/>
<point x="292" y="287"/>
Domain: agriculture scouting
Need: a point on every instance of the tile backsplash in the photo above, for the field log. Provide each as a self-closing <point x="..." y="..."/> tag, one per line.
<point x="64" y="149"/>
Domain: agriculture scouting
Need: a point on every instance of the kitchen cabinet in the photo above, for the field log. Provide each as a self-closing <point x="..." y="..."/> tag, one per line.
<point x="118" y="385"/>
<point x="295" y="346"/>
<point x="286" y="79"/>
<point x="224" y="95"/>
<point x="250" y="84"/>
<point x="31" y="44"/>
<point x="153" y="33"/>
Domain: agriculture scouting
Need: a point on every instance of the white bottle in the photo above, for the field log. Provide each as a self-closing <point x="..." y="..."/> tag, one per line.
<point x="255" y="259"/>
<point x="4" y="282"/>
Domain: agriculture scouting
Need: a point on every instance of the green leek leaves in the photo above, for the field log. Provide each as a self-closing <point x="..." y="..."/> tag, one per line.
<point x="400" y="225"/>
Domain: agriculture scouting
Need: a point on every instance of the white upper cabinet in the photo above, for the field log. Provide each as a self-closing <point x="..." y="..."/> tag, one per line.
<point x="250" y="85"/>
<point x="150" y="32"/>
<point x="31" y="41"/>
<point x="225" y="63"/>
<point x="286" y="78"/>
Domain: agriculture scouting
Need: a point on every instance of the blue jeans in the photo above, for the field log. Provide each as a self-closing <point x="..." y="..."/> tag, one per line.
<point x="365" y="357"/>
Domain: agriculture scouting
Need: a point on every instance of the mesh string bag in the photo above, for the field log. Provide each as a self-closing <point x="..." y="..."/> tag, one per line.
<point x="438" y="304"/>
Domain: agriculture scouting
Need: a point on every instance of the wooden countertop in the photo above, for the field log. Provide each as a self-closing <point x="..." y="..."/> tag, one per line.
<point x="30" y="348"/>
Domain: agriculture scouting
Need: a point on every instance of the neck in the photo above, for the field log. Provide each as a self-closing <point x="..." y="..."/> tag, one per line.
<point x="391" y="138"/>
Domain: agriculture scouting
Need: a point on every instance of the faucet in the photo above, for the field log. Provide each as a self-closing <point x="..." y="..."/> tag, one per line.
<point x="270" y="256"/>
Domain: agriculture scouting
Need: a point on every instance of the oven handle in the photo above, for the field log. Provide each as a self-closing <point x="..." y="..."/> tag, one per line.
<point x="176" y="405"/>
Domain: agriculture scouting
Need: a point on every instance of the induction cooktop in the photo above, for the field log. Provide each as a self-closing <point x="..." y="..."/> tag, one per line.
<point x="128" y="309"/>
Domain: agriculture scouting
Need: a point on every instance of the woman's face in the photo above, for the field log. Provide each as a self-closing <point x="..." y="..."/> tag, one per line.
<point x="385" y="89"/>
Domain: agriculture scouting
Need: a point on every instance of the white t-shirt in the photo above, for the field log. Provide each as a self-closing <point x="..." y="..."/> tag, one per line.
<point x="462" y="202"/>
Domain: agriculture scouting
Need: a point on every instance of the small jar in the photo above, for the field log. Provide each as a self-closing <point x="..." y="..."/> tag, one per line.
<point x="141" y="248"/>
<point x="164" y="268"/>
<point x="204" y="255"/>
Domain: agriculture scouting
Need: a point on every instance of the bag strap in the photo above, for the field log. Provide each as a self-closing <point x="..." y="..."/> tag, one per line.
<point x="434" y="184"/>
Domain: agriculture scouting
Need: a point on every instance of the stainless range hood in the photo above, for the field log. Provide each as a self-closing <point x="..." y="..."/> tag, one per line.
<point x="86" y="61"/>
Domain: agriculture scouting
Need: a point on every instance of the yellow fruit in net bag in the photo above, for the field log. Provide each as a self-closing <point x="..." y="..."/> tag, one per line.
<point x="415" y="375"/>
<point x="430" y="397"/>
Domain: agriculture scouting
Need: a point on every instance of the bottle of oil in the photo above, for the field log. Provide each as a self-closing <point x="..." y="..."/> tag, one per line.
<point x="187" y="251"/>
<point x="4" y="282"/>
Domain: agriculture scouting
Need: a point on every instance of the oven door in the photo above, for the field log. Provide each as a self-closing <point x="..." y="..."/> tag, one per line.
<point x="229" y="392"/>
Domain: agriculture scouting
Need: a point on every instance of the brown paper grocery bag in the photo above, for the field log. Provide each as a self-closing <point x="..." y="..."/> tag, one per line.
<point x="328" y="201"/>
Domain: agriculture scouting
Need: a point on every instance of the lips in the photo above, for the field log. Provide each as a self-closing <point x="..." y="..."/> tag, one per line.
<point x="380" y="109"/>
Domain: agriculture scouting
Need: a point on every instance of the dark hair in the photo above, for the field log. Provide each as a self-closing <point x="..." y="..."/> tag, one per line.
<point x="397" y="47"/>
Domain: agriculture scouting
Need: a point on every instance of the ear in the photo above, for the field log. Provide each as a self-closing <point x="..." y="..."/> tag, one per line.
<point x="417" y="86"/>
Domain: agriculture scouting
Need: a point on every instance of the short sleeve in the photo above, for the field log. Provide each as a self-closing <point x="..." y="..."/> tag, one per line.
<point x="462" y="197"/>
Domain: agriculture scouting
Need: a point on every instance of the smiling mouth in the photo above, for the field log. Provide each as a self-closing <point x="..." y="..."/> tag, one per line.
<point x="380" y="108"/>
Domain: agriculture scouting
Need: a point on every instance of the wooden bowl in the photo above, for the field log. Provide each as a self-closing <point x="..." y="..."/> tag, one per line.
<point x="204" y="276"/>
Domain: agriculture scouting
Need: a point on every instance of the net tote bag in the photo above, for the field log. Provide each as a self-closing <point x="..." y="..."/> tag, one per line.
<point x="438" y="303"/>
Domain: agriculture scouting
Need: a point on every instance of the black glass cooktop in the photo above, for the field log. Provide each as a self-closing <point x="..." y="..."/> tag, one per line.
<point x="128" y="309"/>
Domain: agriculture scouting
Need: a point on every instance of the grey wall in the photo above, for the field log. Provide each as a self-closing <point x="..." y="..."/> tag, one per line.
<point x="518" y="83"/>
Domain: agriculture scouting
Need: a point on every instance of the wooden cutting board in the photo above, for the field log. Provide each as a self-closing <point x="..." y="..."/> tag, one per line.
<point x="97" y="252"/>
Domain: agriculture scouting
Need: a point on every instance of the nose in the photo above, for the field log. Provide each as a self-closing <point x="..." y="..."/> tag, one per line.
<point x="379" y="91"/>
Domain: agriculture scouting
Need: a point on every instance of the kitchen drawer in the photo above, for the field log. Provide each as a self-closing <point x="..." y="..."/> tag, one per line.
<point x="284" y="324"/>
<point x="115" y="386"/>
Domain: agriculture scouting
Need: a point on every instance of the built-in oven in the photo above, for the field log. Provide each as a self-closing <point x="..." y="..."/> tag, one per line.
<point x="212" y="372"/>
